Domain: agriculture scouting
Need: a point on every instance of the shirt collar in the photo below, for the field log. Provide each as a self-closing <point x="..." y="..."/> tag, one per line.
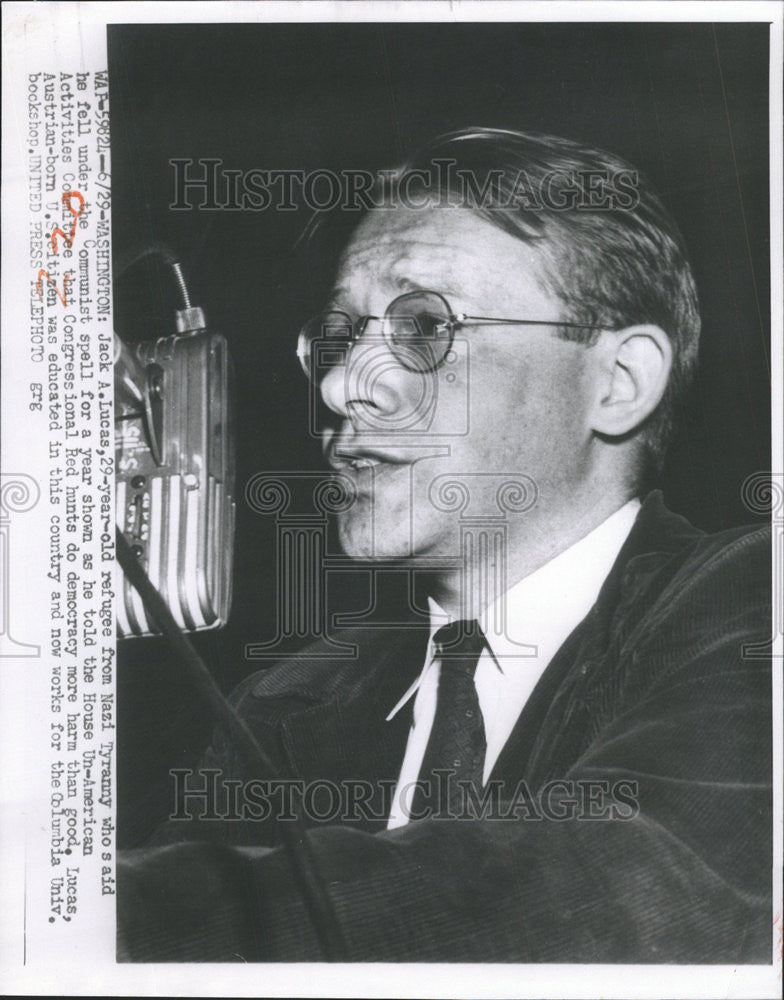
<point x="536" y="614"/>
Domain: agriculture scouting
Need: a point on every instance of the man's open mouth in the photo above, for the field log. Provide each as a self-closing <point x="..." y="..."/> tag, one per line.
<point x="355" y="459"/>
<point x="363" y="463"/>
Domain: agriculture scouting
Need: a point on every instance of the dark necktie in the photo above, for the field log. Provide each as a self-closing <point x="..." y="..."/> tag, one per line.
<point x="456" y="747"/>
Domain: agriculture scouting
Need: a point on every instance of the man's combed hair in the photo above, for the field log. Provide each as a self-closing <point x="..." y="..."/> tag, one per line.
<point x="612" y="252"/>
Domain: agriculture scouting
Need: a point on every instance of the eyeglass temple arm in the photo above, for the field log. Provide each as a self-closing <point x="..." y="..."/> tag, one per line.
<point x="491" y="321"/>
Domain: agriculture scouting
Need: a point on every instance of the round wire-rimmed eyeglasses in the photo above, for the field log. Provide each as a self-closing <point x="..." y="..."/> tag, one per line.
<point x="417" y="327"/>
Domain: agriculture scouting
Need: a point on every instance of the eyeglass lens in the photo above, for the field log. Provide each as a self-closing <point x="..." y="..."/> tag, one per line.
<point x="417" y="328"/>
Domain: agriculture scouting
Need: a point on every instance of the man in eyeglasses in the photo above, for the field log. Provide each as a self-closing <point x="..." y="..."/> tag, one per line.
<point x="573" y="764"/>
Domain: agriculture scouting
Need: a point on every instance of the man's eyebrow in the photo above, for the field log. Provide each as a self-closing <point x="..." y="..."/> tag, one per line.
<point x="399" y="283"/>
<point x="406" y="285"/>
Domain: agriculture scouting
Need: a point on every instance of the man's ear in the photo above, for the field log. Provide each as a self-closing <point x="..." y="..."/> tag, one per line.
<point x="634" y="366"/>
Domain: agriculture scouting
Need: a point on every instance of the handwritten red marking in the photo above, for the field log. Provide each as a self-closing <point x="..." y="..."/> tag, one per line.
<point x="39" y="288"/>
<point x="66" y="200"/>
<point x="69" y="237"/>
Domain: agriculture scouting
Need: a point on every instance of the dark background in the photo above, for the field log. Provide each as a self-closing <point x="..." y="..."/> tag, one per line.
<point x="687" y="104"/>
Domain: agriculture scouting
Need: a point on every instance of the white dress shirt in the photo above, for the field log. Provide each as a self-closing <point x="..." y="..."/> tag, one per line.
<point x="524" y="628"/>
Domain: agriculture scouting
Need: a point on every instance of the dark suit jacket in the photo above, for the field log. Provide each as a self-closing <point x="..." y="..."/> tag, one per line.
<point x="656" y="686"/>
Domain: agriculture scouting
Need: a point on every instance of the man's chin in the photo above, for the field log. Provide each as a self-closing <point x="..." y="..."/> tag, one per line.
<point x="362" y="539"/>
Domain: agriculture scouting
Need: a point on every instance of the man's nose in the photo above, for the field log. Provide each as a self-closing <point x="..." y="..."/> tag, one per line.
<point x="373" y="390"/>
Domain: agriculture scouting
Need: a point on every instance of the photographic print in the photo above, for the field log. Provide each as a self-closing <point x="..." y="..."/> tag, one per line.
<point x="410" y="486"/>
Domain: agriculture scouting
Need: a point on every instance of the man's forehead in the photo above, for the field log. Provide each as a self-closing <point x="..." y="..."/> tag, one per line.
<point x="399" y="237"/>
<point x="453" y="251"/>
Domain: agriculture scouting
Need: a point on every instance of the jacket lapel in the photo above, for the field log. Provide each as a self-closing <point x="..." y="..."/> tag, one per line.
<point x="345" y="739"/>
<point x="547" y="736"/>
